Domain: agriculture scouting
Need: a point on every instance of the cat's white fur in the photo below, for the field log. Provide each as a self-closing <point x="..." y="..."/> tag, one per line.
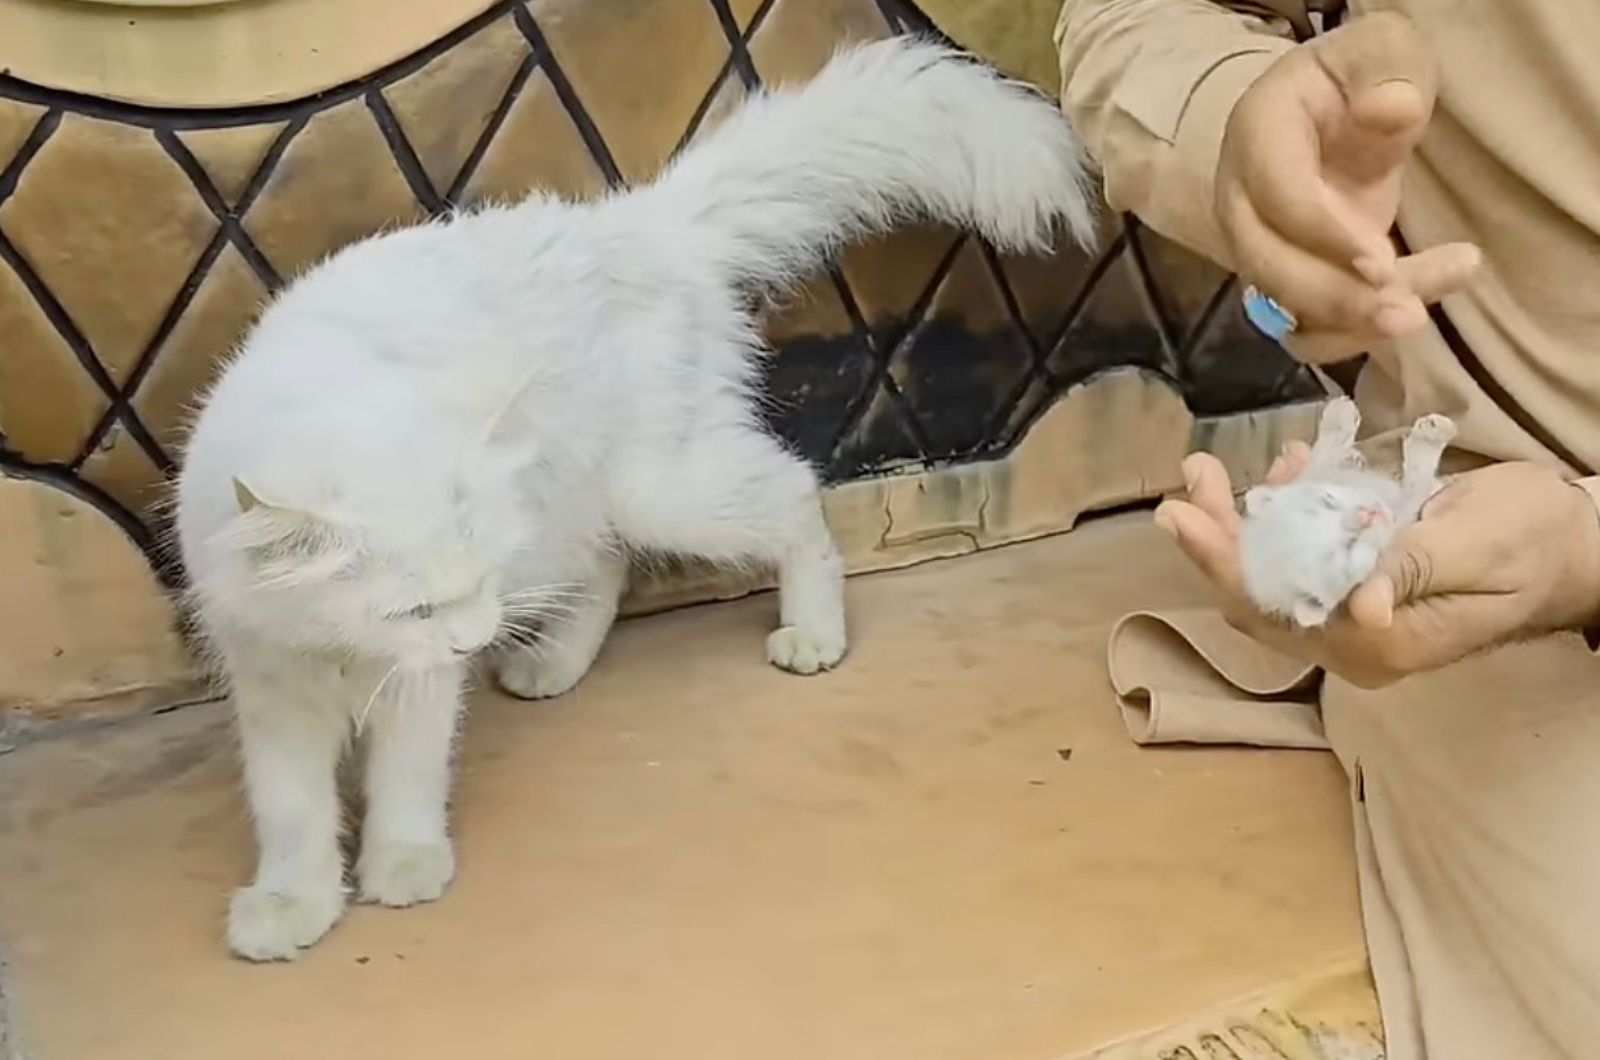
<point x="1304" y="546"/>
<point x="445" y="440"/>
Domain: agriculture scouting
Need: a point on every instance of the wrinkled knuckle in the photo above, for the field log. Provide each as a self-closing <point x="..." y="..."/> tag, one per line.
<point x="1413" y="572"/>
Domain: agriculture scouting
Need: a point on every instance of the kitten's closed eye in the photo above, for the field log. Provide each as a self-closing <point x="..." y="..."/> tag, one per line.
<point x="422" y="612"/>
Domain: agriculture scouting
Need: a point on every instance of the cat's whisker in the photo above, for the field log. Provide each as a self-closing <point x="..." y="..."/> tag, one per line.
<point x="361" y="719"/>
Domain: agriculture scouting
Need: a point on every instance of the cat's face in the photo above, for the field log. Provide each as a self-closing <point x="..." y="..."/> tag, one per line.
<point x="417" y="587"/>
<point x="1306" y="546"/>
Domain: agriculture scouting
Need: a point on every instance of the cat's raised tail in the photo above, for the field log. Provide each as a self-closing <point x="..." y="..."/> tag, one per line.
<point x="889" y="131"/>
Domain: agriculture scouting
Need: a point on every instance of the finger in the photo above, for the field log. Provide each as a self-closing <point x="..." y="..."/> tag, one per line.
<point x="1208" y="546"/>
<point x="1296" y="455"/>
<point x="1210" y="489"/>
<point x="1314" y="346"/>
<point x="1398" y="313"/>
<point x="1321" y="295"/>
<point x="1287" y="194"/>
<point x="1286" y="467"/>
<point x="1429" y="558"/>
<point x="1389" y="77"/>
<point x="1439" y="271"/>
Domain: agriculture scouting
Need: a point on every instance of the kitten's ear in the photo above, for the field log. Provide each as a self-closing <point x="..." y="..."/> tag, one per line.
<point x="1256" y="498"/>
<point x="245" y="496"/>
<point x="1309" y="614"/>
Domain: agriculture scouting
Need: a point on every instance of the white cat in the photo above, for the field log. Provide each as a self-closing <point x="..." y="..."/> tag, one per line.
<point x="1306" y="545"/>
<point x="447" y="439"/>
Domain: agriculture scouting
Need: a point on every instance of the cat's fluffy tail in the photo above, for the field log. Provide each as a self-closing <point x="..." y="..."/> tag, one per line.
<point x="895" y="129"/>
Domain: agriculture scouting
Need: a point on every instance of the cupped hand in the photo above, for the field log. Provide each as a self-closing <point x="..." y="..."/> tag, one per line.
<point x="1503" y="552"/>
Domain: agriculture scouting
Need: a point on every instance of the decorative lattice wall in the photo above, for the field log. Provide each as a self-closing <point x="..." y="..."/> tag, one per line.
<point x="136" y="244"/>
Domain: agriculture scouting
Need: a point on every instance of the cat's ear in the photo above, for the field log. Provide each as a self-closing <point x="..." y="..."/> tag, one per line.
<point x="1256" y="498"/>
<point x="272" y="525"/>
<point x="1309" y="613"/>
<point x="250" y="499"/>
<point x="245" y="496"/>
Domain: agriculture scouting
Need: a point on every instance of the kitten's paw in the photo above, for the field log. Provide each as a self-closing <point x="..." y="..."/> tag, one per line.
<point x="804" y="651"/>
<point x="528" y="677"/>
<point x="1340" y="418"/>
<point x="1435" y="430"/>
<point x="401" y="874"/>
<point x="267" y="925"/>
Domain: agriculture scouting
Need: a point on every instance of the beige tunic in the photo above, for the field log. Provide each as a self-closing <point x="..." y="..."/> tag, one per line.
<point x="1476" y="789"/>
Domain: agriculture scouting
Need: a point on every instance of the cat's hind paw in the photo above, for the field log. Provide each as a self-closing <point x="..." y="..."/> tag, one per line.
<point x="804" y="651"/>
<point x="402" y="874"/>
<point x="1434" y="430"/>
<point x="268" y="925"/>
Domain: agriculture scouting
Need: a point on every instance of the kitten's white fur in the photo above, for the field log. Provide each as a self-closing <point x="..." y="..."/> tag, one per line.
<point x="446" y="439"/>
<point x="1306" y="545"/>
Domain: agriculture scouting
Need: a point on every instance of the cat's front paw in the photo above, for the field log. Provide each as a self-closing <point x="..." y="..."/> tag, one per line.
<point x="527" y="676"/>
<point x="401" y="874"/>
<point x="804" y="651"/>
<point x="268" y="925"/>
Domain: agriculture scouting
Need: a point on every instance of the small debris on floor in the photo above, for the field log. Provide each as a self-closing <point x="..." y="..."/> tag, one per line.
<point x="1064" y="753"/>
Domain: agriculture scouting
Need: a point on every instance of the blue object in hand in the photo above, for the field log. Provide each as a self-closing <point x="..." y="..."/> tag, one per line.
<point x="1270" y="318"/>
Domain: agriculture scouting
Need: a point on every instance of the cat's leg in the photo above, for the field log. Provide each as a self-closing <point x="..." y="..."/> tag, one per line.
<point x="405" y="841"/>
<point x="1335" y="446"/>
<point x="293" y="722"/>
<point x="568" y="642"/>
<point x="1420" y="454"/>
<point x="735" y="496"/>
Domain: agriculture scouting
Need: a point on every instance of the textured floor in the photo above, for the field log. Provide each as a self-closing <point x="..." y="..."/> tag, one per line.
<point x="947" y="849"/>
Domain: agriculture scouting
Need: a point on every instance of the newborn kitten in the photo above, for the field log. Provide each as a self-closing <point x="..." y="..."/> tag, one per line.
<point x="447" y="439"/>
<point x="1306" y="545"/>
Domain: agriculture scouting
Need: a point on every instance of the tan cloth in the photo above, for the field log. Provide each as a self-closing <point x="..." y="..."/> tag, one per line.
<point x="1476" y="789"/>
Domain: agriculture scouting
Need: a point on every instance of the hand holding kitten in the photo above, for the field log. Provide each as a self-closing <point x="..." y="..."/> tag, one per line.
<point x="1503" y="552"/>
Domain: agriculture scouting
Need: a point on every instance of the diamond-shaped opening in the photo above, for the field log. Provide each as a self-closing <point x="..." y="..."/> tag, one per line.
<point x="881" y="439"/>
<point x="445" y="108"/>
<point x="113" y="259"/>
<point x="640" y="109"/>
<point x="1231" y="367"/>
<point x="808" y="389"/>
<point x="963" y="359"/>
<point x="230" y="156"/>
<point x="797" y="37"/>
<point x="48" y="403"/>
<point x="1180" y="283"/>
<point x="1113" y="328"/>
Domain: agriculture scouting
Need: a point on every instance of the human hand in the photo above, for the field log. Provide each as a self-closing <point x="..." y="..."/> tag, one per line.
<point x="1504" y="552"/>
<point x="1308" y="184"/>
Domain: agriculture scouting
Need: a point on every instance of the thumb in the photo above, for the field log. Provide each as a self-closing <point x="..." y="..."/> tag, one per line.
<point x="1426" y="559"/>
<point x="1389" y="78"/>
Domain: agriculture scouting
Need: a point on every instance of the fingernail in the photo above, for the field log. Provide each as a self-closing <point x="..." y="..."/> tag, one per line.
<point x="1167" y="523"/>
<point x="1191" y="475"/>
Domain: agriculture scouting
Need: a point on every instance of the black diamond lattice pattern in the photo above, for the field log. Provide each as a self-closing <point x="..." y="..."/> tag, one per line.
<point x="905" y="386"/>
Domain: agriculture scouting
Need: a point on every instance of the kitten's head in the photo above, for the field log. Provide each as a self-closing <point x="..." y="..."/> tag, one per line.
<point x="1306" y="545"/>
<point x="401" y="567"/>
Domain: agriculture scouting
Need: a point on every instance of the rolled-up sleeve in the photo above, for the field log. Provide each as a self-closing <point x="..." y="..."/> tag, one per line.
<point x="1149" y="86"/>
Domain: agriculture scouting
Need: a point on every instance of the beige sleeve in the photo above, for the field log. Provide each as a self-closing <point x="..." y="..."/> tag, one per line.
<point x="1149" y="85"/>
<point x="1591" y="486"/>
